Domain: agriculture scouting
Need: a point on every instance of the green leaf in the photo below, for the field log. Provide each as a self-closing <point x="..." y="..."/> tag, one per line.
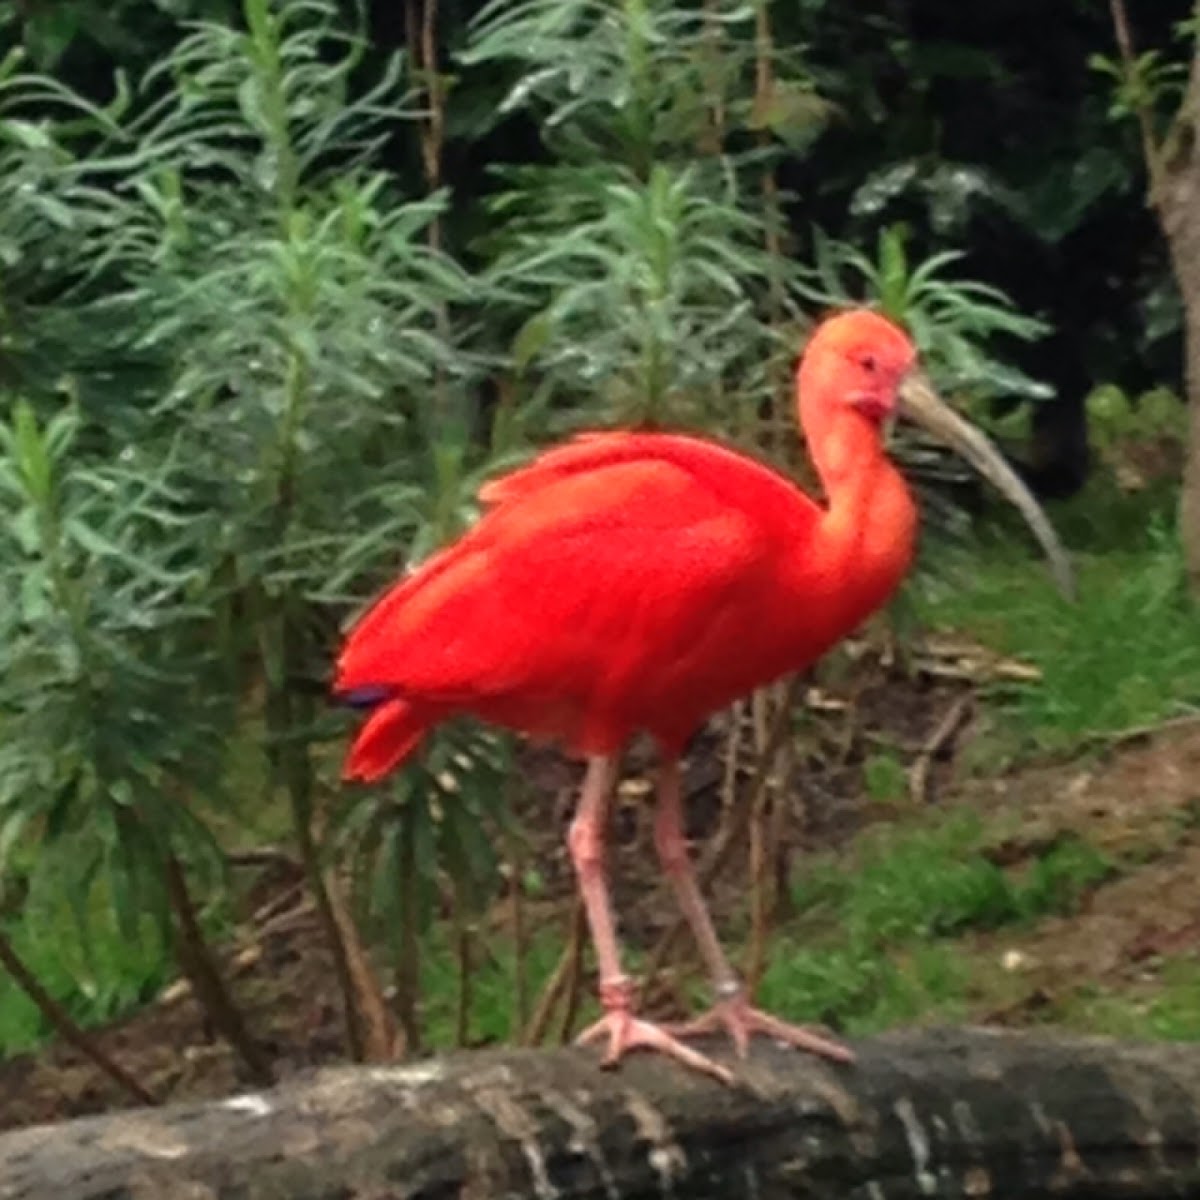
<point x="11" y="829"/>
<point x="893" y="272"/>
<point x="25" y="134"/>
<point x="795" y="113"/>
<point x="103" y="547"/>
<point x="532" y="338"/>
<point x="32" y="459"/>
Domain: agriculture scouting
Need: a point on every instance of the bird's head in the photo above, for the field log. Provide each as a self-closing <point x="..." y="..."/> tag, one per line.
<point x="859" y="361"/>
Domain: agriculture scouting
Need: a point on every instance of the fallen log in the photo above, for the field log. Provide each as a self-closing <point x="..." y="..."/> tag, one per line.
<point x="922" y="1114"/>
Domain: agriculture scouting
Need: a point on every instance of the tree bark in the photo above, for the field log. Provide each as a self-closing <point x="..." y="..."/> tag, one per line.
<point x="922" y="1114"/>
<point x="1176" y="197"/>
<point x="1178" y="204"/>
<point x="1173" y="170"/>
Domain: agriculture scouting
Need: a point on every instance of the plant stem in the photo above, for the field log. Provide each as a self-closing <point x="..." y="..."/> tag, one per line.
<point x="574" y="977"/>
<point x="198" y="968"/>
<point x="265" y="33"/>
<point x="641" y="86"/>
<point x="378" y="1028"/>
<point x="408" y="948"/>
<point x="551" y="993"/>
<point x="289" y="715"/>
<point x="65" y="1026"/>
<point x="712" y="140"/>
<point x="298" y="781"/>
<point x="520" y="942"/>
<point x="462" y="946"/>
<point x="421" y="37"/>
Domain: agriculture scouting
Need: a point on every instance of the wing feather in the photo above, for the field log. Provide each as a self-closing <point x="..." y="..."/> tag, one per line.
<point x="610" y="576"/>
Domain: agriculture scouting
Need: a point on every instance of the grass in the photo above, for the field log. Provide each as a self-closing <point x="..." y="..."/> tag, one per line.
<point x="493" y="986"/>
<point x="97" y="975"/>
<point x="935" y="879"/>
<point x="72" y="941"/>
<point x="1126" y="655"/>
<point x="1167" y="1010"/>
<point x="874" y="942"/>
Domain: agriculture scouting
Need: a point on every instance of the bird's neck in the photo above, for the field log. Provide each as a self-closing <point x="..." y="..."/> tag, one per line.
<point x="868" y="533"/>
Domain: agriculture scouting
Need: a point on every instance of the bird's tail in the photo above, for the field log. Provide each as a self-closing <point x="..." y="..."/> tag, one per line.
<point x="391" y="733"/>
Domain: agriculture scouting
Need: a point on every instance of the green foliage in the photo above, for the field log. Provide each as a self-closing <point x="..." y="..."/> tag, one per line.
<point x="93" y="966"/>
<point x="926" y="883"/>
<point x="241" y="363"/>
<point x="174" y="548"/>
<point x="1059" y="879"/>
<point x="643" y="292"/>
<point x="862" y="990"/>
<point x="1126" y="654"/>
<point x="884" y="777"/>
<point x="875" y="939"/>
<point x="107" y="691"/>
<point x="951" y="319"/>
<point x="58" y="335"/>
<point x="126" y="31"/>
<point x="492" y="1018"/>
<point x="445" y="811"/>
<point x="642" y="80"/>
<point x="1116" y="417"/>
<point x="633" y="265"/>
<point x="1149" y="81"/>
<point x="1168" y="1013"/>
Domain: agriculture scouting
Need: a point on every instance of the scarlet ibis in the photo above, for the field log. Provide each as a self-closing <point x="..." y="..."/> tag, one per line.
<point x="630" y="581"/>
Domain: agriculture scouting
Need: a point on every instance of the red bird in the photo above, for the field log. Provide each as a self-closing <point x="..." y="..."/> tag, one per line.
<point x="641" y="581"/>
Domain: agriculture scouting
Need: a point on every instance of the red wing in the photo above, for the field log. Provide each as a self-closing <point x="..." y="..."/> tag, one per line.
<point x="741" y="481"/>
<point x="560" y="597"/>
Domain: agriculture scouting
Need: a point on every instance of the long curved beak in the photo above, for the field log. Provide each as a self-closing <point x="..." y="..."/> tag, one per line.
<point x="920" y="403"/>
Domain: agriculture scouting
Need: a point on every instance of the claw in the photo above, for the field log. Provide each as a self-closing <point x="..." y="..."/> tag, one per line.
<point x="626" y="1032"/>
<point x="739" y="1019"/>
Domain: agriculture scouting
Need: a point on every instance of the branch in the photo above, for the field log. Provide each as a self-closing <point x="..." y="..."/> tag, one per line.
<point x="65" y="1025"/>
<point x="933" y="1113"/>
<point x="1145" y="118"/>
<point x="1189" y="110"/>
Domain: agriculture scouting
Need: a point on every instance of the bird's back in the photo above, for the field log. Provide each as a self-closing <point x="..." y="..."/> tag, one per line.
<point x="621" y="581"/>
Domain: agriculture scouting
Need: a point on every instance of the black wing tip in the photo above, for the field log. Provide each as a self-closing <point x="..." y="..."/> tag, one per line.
<point x="368" y="696"/>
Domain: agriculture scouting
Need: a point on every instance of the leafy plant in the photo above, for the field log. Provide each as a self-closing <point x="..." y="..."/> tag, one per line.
<point x="295" y="315"/>
<point x="59" y="330"/>
<point x="643" y="80"/>
<point x="952" y="320"/>
<point x="242" y="381"/>
<point x="110" y="696"/>
<point x="1127" y="655"/>
<point x="644" y="294"/>
<point x="304" y="309"/>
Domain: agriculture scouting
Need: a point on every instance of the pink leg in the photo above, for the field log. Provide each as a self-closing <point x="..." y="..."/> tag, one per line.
<point x="732" y="1011"/>
<point x="623" y="1030"/>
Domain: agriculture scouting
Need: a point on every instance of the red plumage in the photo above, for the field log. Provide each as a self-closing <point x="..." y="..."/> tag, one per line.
<point x="639" y="581"/>
<point x="619" y="582"/>
<point x="623" y="582"/>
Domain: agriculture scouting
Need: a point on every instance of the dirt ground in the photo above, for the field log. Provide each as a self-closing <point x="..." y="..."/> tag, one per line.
<point x="1138" y="798"/>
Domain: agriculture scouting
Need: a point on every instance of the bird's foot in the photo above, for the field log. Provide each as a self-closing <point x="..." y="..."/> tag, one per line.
<point x="626" y="1032"/>
<point x="737" y="1017"/>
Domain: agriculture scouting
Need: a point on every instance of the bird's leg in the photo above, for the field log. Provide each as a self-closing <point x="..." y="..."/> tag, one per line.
<point x="623" y="1030"/>
<point x="732" y="1010"/>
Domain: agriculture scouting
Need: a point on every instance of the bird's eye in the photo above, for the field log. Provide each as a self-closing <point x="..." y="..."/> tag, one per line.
<point x="869" y="363"/>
